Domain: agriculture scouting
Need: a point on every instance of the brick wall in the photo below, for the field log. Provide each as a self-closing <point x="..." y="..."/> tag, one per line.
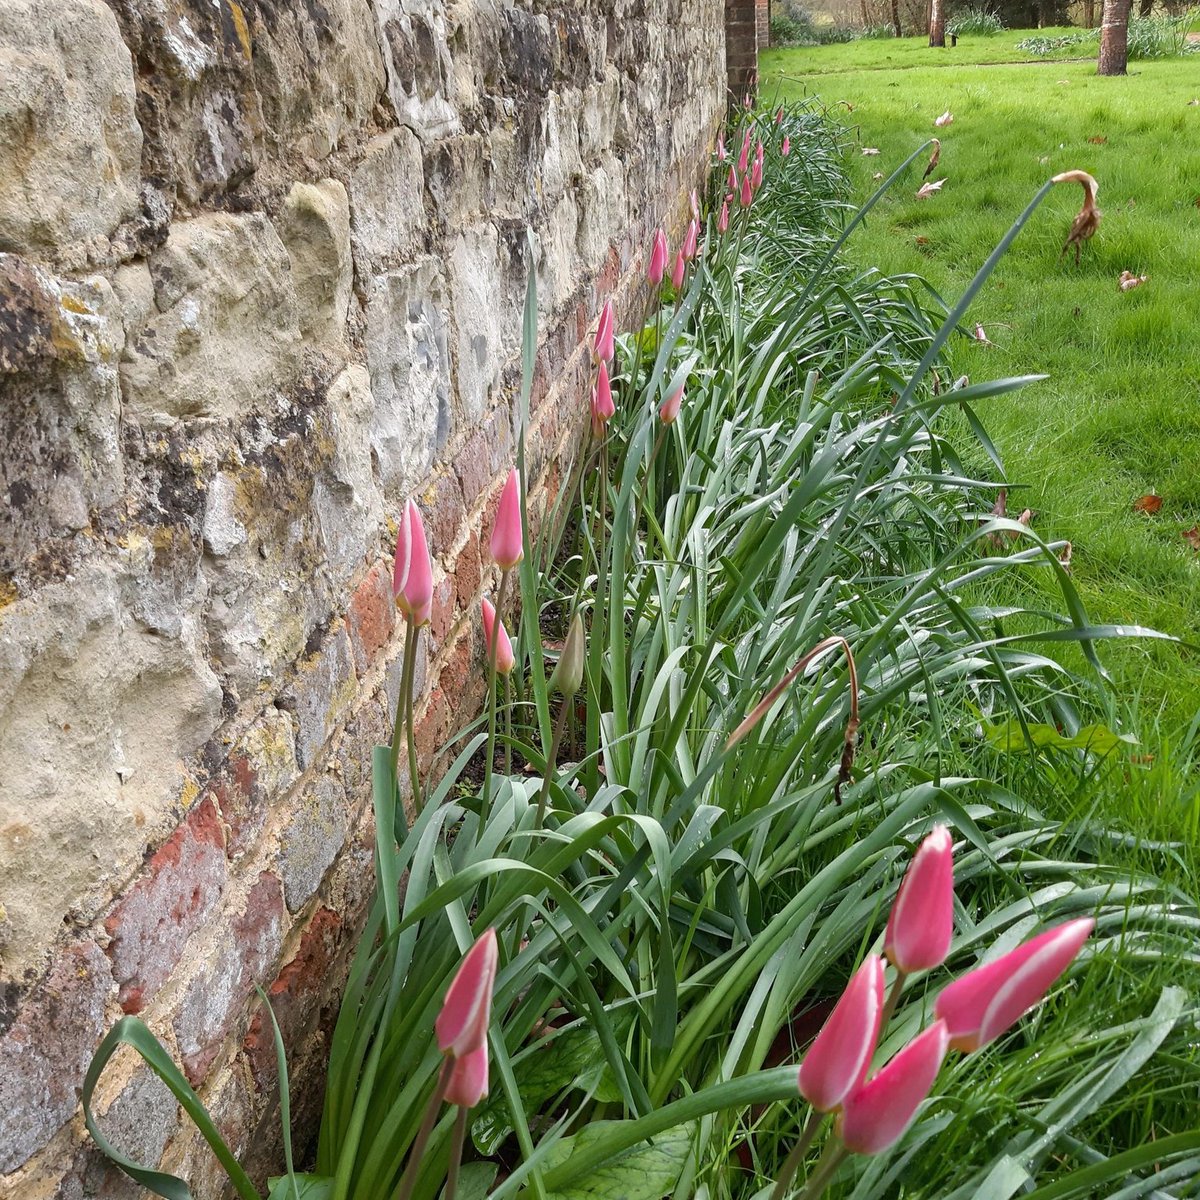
<point x="261" y="273"/>
<point x="747" y="30"/>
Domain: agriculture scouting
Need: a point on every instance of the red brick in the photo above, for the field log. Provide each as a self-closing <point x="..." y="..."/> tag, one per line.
<point x="243" y="954"/>
<point x="180" y="886"/>
<point x="371" y="616"/>
<point x="443" y="504"/>
<point x="474" y="467"/>
<point x="445" y="608"/>
<point x="296" y="996"/>
<point x="433" y="726"/>
<point x="467" y="570"/>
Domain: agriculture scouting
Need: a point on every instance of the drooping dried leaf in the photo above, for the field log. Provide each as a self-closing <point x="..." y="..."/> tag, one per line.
<point x="928" y="189"/>
<point x="1149" y="504"/>
<point x="922" y="241"/>
<point x="1129" y="281"/>
<point x="1097" y="140"/>
<point x="1000" y="508"/>
<point x="1025" y="519"/>
<point x="1064" y="555"/>
<point x="1192" y="537"/>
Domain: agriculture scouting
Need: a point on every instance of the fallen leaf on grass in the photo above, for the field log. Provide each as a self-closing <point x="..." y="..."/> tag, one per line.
<point x="1193" y="103"/>
<point x="1129" y="281"/>
<point x="869" y="150"/>
<point x="1000" y="508"/>
<point x="929" y="189"/>
<point x="1024" y="519"/>
<point x="1064" y="556"/>
<point x="1192" y="537"/>
<point x="879" y="175"/>
<point x="960" y="383"/>
<point x="1148" y="504"/>
<point x="947" y="118"/>
<point x="1097" y="140"/>
<point x="981" y="336"/>
<point x="922" y="241"/>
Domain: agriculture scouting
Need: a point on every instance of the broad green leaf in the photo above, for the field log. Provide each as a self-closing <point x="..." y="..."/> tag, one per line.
<point x="645" y="1172"/>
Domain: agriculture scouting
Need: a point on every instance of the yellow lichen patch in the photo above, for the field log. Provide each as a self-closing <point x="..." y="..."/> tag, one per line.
<point x="240" y="27"/>
<point x="75" y="305"/>
<point x="191" y="789"/>
<point x="8" y="593"/>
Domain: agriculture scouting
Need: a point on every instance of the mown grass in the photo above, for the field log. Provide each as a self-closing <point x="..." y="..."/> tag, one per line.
<point x="1119" y="416"/>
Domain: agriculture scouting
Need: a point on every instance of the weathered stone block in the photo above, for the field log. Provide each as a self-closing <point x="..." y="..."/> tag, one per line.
<point x="387" y="207"/>
<point x="223" y="333"/>
<point x="150" y="926"/>
<point x="139" y="1122"/>
<point x="312" y="839"/>
<point x="320" y="695"/>
<point x="408" y="355"/>
<point x="96" y="712"/>
<point x="246" y="947"/>
<point x="419" y="65"/>
<point x="70" y="145"/>
<point x="315" y="228"/>
<point x="44" y="1054"/>
<point x="486" y="319"/>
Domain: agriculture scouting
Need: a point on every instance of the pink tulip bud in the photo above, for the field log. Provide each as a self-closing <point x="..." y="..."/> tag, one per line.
<point x="733" y="179"/>
<point x="695" y="202"/>
<point x="658" y="258"/>
<point x="723" y="219"/>
<point x="744" y="157"/>
<point x="692" y="239"/>
<point x="922" y="919"/>
<point x="983" y="1003"/>
<point x="722" y="153"/>
<point x="747" y="196"/>
<point x="677" y="272"/>
<point x="876" y="1115"/>
<point x="605" y="343"/>
<point x="505" y="659"/>
<point x="602" y="402"/>
<point x="669" y="409"/>
<point x="786" y="148"/>
<point x="756" y="171"/>
<point x="746" y="101"/>
<point x="462" y="1025"/>
<point x="468" y="1082"/>
<point x="838" y="1059"/>
<point x="779" y="115"/>
<point x="507" y="549"/>
<point x="403" y="557"/>
<point x="415" y="600"/>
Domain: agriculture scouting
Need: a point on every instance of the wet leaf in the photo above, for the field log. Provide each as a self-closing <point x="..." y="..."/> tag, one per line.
<point x="1149" y="504"/>
<point x="648" y="1172"/>
<point x="1095" y="739"/>
<point x="1192" y="537"/>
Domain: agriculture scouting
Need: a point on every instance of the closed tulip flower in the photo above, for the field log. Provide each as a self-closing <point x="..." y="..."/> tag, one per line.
<point x="691" y="241"/>
<point x="462" y="1025"/>
<point x="722" y="153"/>
<point x="747" y="196"/>
<point x="732" y="182"/>
<point x="875" y="1116"/>
<point x="723" y="219"/>
<point x="983" y="1003"/>
<point x="415" y="598"/>
<point x="744" y="157"/>
<point x="756" y="171"/>
<point x="567" y="676"/>
<point x="605" y="343"/>
<point x="658" y="258"/>
<point x="786" y="148"/>
<point x="669" y="409"/>
<point x="402" y="557"/>
<point x="602" y="402"/>
<point x="838" y="1060"/>
<point x="505" y="659"/>
<point x="922" y="918"/>
<point x="506" y="544"/>
<point x="678" y="271"/>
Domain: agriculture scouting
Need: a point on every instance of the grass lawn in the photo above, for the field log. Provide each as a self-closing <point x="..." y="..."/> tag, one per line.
<point x="1119" y="416"/>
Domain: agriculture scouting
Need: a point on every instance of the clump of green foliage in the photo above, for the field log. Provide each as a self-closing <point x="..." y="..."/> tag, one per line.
<point x="980" y="22"/>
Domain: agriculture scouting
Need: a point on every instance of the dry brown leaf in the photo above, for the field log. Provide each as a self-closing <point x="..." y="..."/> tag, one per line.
<point x="1129" y="281"/>
<point x="879" y="175"/>
<point x="1064" y="556"/>
<point x="1000" y="508"/>
<point x="922" y="241"/>
<point x="1192" y="537"/>
<point x="1149" y="504"/>
<point x="947" y="118"/>
<point x="1097" y="140"/>
<point x="869" y="150"/>
<point x="929" y="189"/>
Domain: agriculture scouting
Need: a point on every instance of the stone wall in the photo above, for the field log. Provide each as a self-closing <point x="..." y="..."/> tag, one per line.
<point x="261" y="273"/>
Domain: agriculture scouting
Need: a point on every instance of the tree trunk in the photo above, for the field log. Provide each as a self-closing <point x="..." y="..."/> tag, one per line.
<point x="896" y="18"/>
<point x="866" y="20"/>
<point x="1089" y="14"/>
<point x="937" y="23"/>
<point x="1144" y="7"/>
<point x="1114" y="38"/>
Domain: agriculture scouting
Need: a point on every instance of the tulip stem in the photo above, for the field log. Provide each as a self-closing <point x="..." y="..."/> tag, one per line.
<point x="835" y="1154"/>
<point x="508" y="725"/>
<point x="456" y="1149"/>
<point x="552" y="758"/>
<point x="792" y="1163"/>
<point x="408" y="1180"/>
<point x="658" y="445"/>
<point x="414" y="773"/>
<point x="398" y="725"/>
<point x="485" y="800"/>
<point x="893" y="999"/>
